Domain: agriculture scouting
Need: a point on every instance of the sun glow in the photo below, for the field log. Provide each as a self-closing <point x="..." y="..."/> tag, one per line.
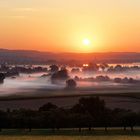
<point x="86" y="42"/>
<point x="87" y="45"/>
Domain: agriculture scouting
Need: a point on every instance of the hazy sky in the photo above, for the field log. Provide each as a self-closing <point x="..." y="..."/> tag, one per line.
<point x="62" y="25"/>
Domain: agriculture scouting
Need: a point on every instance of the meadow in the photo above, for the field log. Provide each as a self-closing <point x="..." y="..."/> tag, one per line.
<point x="70" y="135"/>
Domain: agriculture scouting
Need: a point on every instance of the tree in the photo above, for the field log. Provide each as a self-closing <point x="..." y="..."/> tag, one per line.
<point x="3" y="120"/>
<point x="47" y="107"/>
<point x="91" y="106"/>
<point x="91" y="67"/>
<point x="129" y="120"/>
<point x="94" y="106"/>
<point x="106" y="118"/>
<point x="61" y="75"/>
<point x="118" y="68"/>
<point x="54" y="68"/>
<point x="102" y="78"/>
<point x="103" y="66"/>
<point x="2" y="77"/>
<point x="71" y="84"/>
<point x="75" y="70"/>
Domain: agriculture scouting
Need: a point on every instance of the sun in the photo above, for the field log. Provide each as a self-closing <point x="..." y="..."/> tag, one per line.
<point x="86" y="41"/>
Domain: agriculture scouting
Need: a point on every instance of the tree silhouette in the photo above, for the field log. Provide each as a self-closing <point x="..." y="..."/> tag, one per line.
<point x="47" y="107"/>
<point x="54" y="68"/>
<point x="71" y="84"/>
<point x="61" y="75"/>
<point x="2" y="77"/>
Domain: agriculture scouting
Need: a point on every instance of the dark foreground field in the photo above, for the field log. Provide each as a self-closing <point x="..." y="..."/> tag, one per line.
<point x="126" y="99"/>
<point x="98" y="134"/>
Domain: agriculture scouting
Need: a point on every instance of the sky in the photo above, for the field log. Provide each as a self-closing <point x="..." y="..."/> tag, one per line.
<point x="70" y="25"/>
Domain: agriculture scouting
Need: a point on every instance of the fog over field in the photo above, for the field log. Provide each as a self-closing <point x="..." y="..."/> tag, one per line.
<point x="28" y="83"/>
<point x="37" y="88"/>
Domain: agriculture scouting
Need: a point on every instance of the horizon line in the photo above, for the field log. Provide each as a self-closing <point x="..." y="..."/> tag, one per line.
<point x="68" y="51"/>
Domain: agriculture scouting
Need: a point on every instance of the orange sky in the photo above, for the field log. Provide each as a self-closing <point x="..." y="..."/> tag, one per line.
<point x="62" y="25"/>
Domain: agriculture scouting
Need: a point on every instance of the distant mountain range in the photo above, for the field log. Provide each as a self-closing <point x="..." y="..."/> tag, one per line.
<point x="37" y="57"/>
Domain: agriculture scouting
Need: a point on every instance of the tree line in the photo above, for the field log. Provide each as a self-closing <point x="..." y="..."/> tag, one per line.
<point x="89" y="112"/>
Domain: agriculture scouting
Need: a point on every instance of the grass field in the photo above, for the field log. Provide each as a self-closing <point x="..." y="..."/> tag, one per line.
<point x="70" y="137"/>
<point x="43" y="134"/>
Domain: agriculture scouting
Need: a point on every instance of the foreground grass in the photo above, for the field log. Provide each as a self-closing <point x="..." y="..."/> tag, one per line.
<point x="43" y="134"/>
<point x="69" y="138"/>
